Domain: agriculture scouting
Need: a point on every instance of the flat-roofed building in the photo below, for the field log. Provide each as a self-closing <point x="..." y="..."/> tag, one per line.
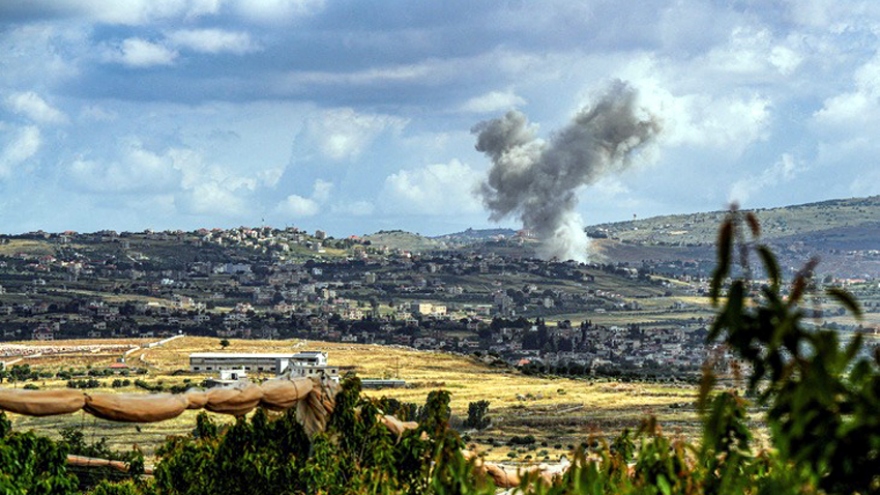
<point x="307" y="363"/>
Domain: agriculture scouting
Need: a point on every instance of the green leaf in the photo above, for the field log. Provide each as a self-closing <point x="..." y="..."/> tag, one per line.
<point x="846" y="299"/>
<point x="663" y="485"/>
<point x="770" y="264"/>
<point x="725" y="247"/>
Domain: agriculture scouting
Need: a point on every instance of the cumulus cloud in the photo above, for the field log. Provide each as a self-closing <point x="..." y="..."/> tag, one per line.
<point x="858" y="106"/>
<point x="213" y="41"/>
<point x="140" y="53"/>
<point x="22" y="145"/>
<point x="34" y="107"/>
<point x="443" y="188"/>
<point x="343" y="134"/>
<point x="754" y="52"/>
<point x="298" y="206"/>
<point x="729" y="120"/>
<point x="493" y="101"/>
<point x="136" y="171"/>
<point x="785" y="170"/>
<point x="212" y="198"/>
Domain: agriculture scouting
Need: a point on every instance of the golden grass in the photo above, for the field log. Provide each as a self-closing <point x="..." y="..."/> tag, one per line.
<point x="558" y="411"/>
<point x="33" y="247"/>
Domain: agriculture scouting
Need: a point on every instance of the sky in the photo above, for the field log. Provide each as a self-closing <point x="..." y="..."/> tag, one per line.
<point x="358" y="116"/>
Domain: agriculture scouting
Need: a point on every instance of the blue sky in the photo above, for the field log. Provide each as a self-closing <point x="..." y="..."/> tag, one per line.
<point x="356" y="116"/>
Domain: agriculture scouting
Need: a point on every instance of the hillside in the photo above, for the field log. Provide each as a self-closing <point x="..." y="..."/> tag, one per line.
<point x="835" y="218"/>
<point x="844" y="234"/>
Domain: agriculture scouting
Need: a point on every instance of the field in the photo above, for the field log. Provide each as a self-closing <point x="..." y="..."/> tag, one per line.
<point x="559" y="413"/>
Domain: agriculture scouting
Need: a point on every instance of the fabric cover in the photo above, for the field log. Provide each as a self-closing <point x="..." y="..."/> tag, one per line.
<point x="196" y="399"/>
<point x="237" y="400"/>
<point x="135" y="408"/>
<point x="41" y="402"/>
<point x="281" y="394"/>
<point x="397" y="426"/>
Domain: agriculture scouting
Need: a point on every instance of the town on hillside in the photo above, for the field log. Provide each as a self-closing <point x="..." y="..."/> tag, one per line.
<point x="263" y="283"/>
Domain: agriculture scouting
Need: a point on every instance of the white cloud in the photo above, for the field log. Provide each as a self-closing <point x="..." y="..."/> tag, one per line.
<point x="298" y="206"/>
<point x="98" y="114"/>
<point x="321" y="192"/>
<point x="133" y="12"/>
<point x="729" y="120"/>
<point x="784" y="170"/>
<point x="32" y="106"/>
<point x="853" y="109"/>
<point x="494" y="101"/>
<point x="270" y="177"/>
<point x="275" y="11"/>
<point x="136" y="171"/>
<point x="137" y="52"/>
<point x="212" y="198"/>
<point x="213" y="41"/>
<point x="343" y="134"/>
<point x="439" y="189"/>
<point x="23" y="145"/>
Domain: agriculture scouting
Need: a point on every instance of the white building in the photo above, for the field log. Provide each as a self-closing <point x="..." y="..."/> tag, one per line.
<point x="308" y="363"/>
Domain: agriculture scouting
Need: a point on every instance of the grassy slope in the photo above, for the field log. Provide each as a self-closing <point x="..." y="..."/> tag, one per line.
<point x="777" y="223"/>
<point x="558" y="411"/>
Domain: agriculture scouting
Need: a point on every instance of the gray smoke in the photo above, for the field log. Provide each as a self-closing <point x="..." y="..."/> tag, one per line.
<point x="539" y="181"/>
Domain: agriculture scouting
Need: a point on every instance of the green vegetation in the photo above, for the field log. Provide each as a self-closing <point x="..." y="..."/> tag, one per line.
<point x="821" y="399"/>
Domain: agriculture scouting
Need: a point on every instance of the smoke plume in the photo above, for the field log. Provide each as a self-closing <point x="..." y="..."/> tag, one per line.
<point x="538" y="180"/>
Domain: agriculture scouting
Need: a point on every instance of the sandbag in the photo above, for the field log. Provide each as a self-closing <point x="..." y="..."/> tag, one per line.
<point x="135" y="408"/>
<point x="281" y="394"/>
<point x="501" y="476"/>
<point x="83" y="461"/>
<point x="314" y="411"/>
<point x="41" y="402"/>
<point x="196" y="399"/>
<point x="237" y="400"/>
<point x="397" y="426"/>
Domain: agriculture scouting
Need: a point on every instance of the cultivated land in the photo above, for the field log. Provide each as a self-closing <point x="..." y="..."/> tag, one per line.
<point x="559" y="413"/>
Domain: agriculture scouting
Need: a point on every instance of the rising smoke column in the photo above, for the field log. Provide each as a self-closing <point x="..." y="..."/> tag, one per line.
<point x="538" y="180"/>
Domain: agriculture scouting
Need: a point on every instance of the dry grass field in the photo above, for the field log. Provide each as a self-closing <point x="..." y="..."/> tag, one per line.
<point x="559" y="413"/>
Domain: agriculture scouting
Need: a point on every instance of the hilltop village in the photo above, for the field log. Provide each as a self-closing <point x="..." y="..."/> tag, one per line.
<point x="276" y="284"/>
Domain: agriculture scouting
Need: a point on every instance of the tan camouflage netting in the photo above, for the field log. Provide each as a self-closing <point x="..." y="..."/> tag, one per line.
<point x="312" y="397"/>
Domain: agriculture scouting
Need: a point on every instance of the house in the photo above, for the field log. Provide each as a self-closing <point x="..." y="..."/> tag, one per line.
<point x="43" y="333"/>
<point x="307" y="363"/>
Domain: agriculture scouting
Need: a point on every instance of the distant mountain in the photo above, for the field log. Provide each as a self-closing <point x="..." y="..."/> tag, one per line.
<point x="476" y="235"/>
<point x="787" y="222"/>
<point x="843" y="233"/>
<point x="404" y="241"/>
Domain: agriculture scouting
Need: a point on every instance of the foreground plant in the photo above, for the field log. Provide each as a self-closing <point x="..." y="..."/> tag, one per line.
<point x="823" y="396"/>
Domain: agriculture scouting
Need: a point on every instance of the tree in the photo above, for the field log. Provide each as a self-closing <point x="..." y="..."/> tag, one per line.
<point x="477" y="417"/>
<point x="224" y="343"/>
